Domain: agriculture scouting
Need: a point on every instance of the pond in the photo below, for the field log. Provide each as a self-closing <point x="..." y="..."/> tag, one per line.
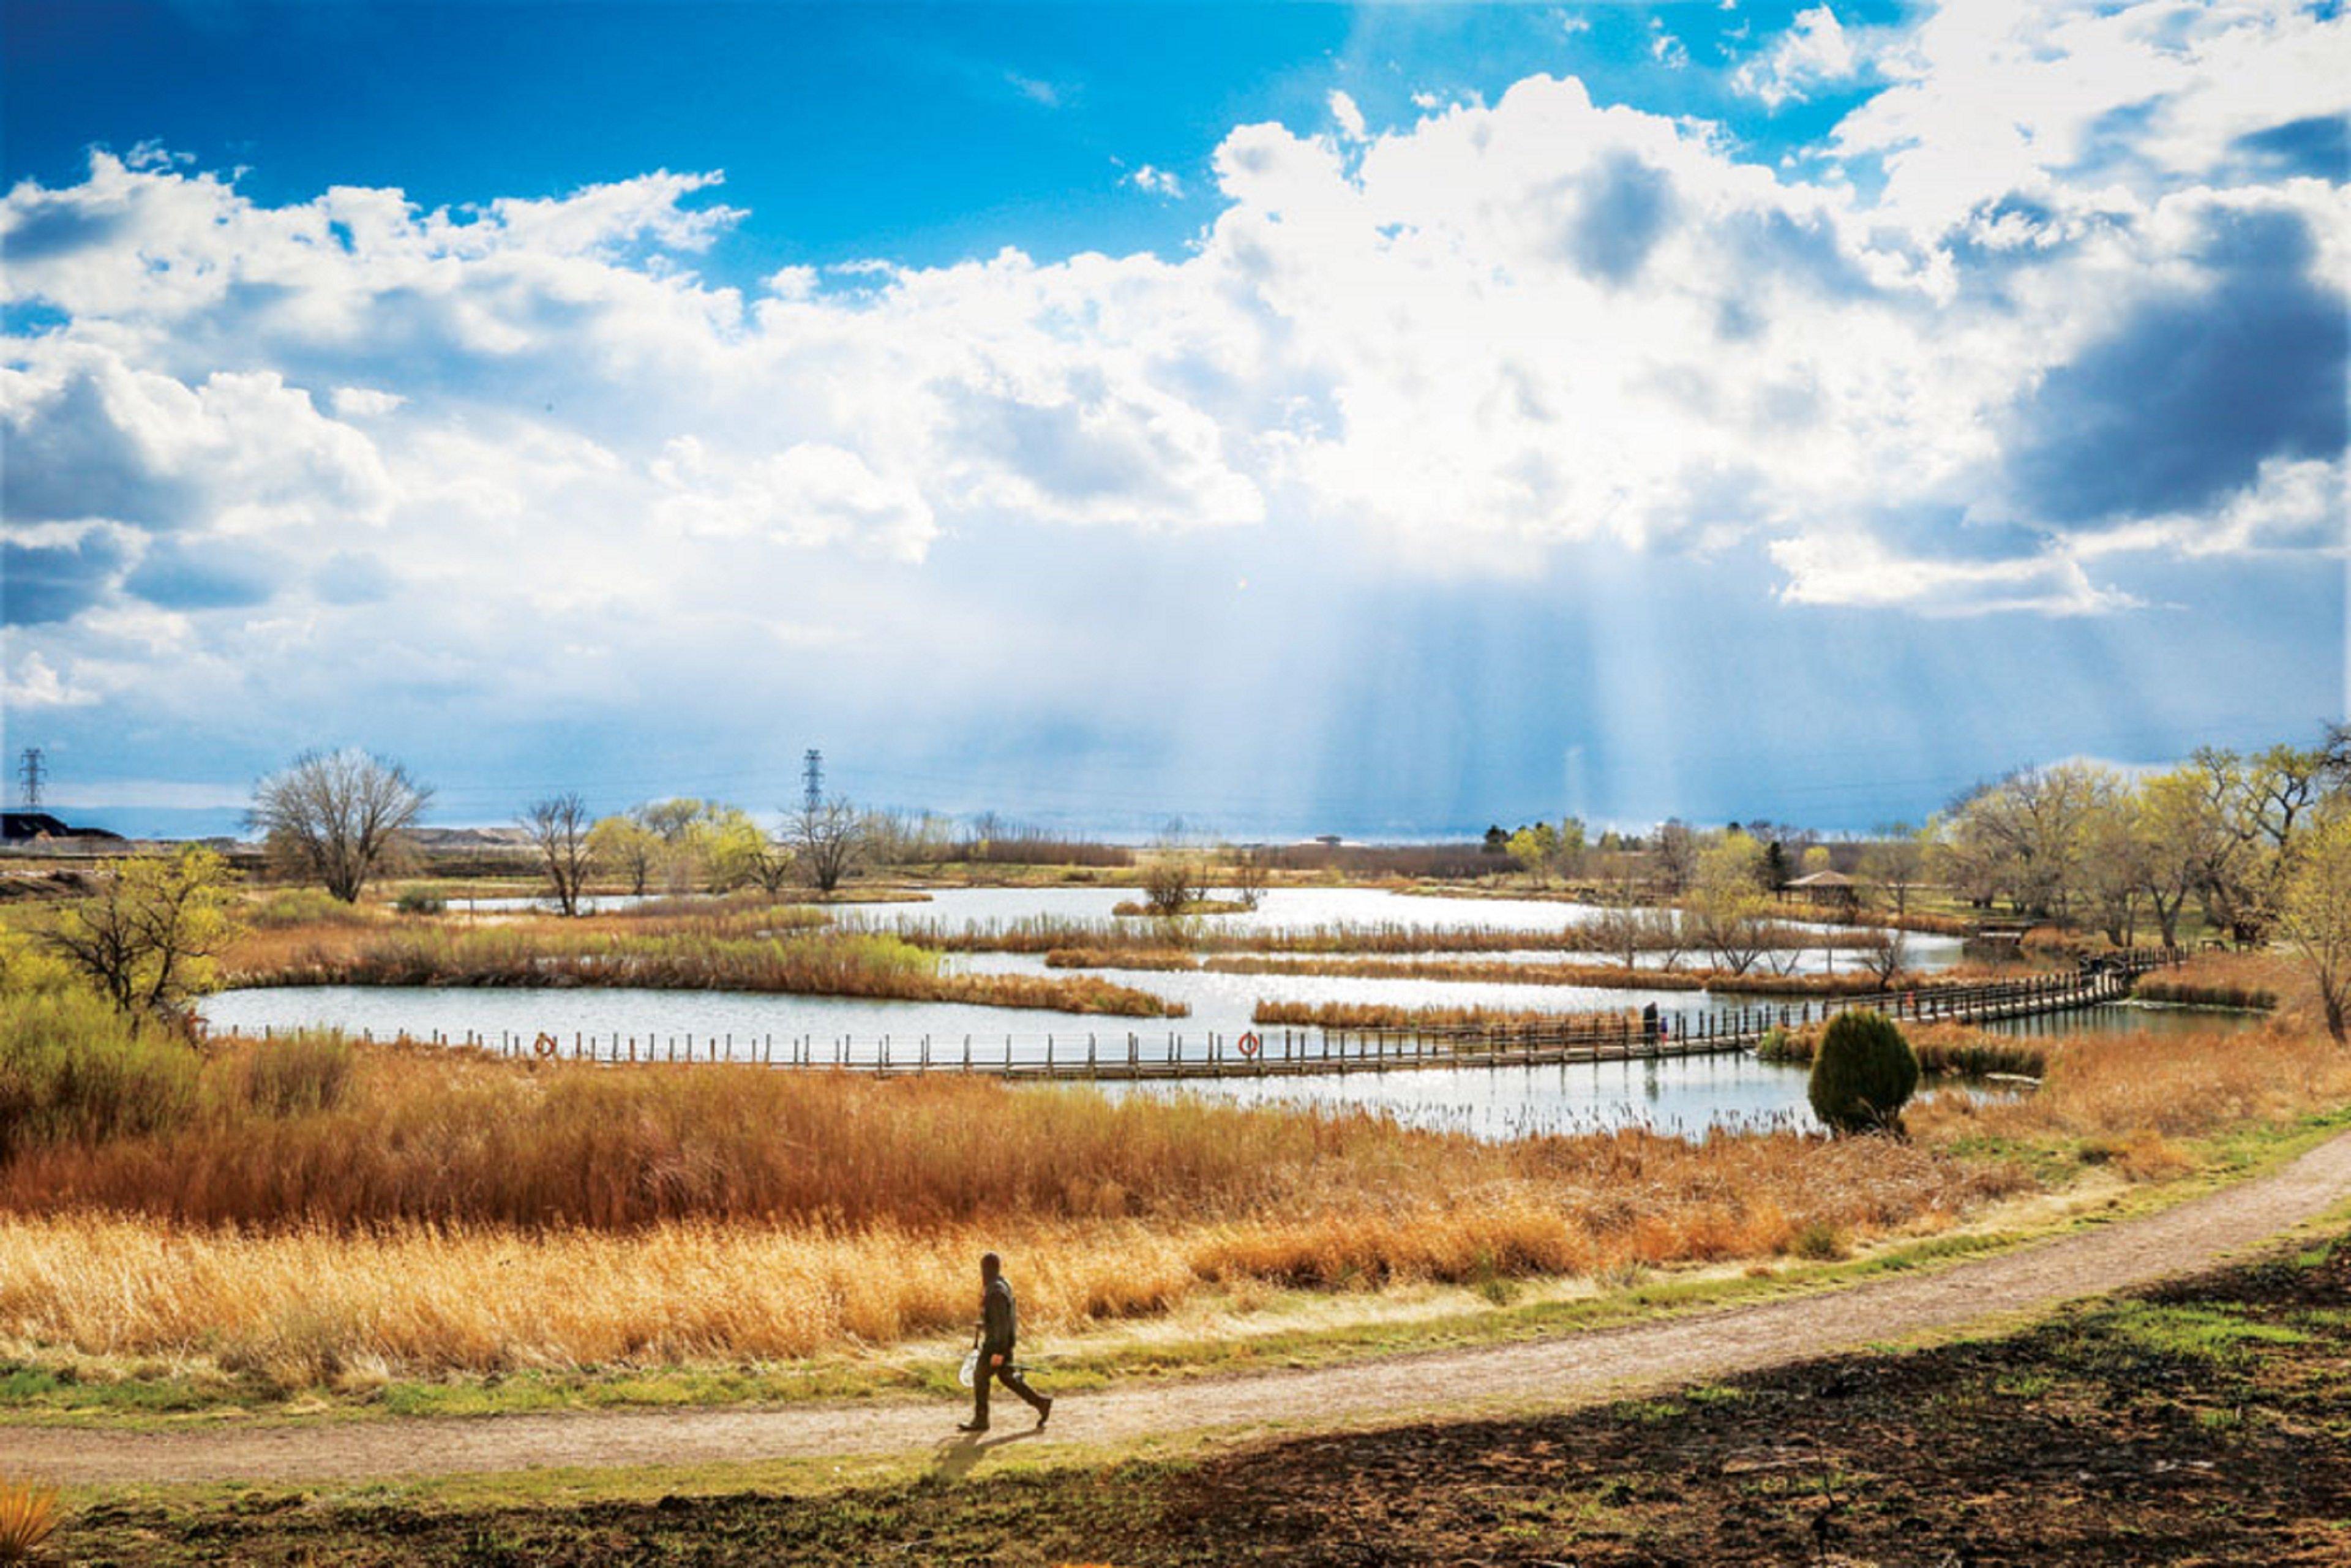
<point x="1694" y="1092"/>
<point x="2129" y="1018"/>
<point x="1683" y="1095"/>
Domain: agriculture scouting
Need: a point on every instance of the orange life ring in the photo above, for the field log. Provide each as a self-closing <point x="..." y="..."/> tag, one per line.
<point x="1249" y="1044"/>
<point x="545" y="1045"/>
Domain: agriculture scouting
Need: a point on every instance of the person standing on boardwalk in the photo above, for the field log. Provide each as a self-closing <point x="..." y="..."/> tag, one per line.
<point x="1000" y="1328"/>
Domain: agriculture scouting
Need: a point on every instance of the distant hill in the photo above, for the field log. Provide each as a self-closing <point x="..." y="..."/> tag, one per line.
<point x="39" y="827"/>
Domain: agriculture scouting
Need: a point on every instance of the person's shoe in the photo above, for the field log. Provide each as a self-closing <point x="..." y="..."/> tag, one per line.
<point x="972" y="1426"/>
<point x="1045" y="1412"/>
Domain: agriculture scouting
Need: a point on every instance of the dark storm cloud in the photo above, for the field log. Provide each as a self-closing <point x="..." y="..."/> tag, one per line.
<point x="45" y="584"/>
<point x="2183" y="404"/>
<point x="68" y="460"/>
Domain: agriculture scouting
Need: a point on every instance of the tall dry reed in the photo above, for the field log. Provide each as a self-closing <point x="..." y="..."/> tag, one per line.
<point x="552" y="954"/>
<point x="315" y="1303"/>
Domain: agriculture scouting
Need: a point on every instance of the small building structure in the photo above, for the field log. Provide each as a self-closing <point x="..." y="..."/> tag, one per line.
<point x="1826" y="890"/>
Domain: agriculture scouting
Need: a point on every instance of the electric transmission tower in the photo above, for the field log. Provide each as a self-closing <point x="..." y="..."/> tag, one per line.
<point x="31" y="771"/>
<point x="812" y="776"/>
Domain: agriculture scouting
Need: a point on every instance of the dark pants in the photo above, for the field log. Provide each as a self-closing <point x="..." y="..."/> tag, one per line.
<point x="1007" y="1376"/>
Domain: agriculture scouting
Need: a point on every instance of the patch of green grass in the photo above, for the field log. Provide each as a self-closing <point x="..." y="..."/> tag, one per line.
<point x="62" y="1390"/>
<point x="2218" y="1333"/>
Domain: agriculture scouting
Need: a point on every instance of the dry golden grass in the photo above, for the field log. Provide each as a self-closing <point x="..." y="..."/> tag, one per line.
<point x="699" y="954"/>
<point x="315" y="1305"/>
<point x="2121" y="1087"/>
<point x="316" y="1213"/>
<point x="1381" y="1016"/>
<point x="2225" y="979"/>
<point x="1047" y="934"/>
<point x="28" y="1517"/>
<point x="326" y="1212"/>
<point x="1942" y="1048"/>
<point x="1849" y="982"/>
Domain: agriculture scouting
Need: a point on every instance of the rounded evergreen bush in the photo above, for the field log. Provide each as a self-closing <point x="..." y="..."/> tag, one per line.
<point x="1863" y="1072"/>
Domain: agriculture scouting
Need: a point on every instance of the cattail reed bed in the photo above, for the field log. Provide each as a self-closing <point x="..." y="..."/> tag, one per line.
<point x="313" y="1212"/>
<point x="1045" y="934"/>
<point x="1607" y="977"/>
<point x="2252" y="982"/>
<point x="1943" y="1049"/>
<point x="1368" y="1017"/>
<point x="429" y="1211"/>
<point x="565" y="954"/>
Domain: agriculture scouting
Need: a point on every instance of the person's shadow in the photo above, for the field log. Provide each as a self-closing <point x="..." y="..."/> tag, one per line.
<point x="958" y="1454"/>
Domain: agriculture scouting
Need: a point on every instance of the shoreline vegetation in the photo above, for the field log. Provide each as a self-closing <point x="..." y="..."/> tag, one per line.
<point x="309" y="1213"/>
<point x="1943" y="1049"/>
<point x="2248" y="982"/>
<point x="1043" y="935"/>
<point x="1606" y="976"/>
<point x="807" y="960"/>
<point x="1134" y="909"/>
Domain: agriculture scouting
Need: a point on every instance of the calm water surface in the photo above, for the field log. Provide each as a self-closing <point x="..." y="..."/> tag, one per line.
<point x="1686" y="1096"/>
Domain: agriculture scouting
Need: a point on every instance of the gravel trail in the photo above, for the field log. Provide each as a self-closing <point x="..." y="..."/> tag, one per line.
<point x="1576" y="1368"/>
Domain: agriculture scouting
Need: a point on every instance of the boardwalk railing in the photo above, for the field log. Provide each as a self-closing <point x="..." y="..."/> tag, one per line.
<point x="1290" y="1052"/>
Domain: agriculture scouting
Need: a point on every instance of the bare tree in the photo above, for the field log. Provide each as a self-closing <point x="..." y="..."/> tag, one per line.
<point x="1677" y="848"/>
<point x="1885" y="955"/>
<point x="1173" y="881"/>
<point x="334" y="815"/>
<point x="1250" y="872"/>
<point x="1174" y="871"/>
<point x="1894" y="862"/>
<point x="827" y="841"/>
<point x="558" y="826"/>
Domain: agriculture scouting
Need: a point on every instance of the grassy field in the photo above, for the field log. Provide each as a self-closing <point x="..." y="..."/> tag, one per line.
<point x="2201" y="1422"/>
<point x="361" y="1213"/>
<point x="264" y="1219"/>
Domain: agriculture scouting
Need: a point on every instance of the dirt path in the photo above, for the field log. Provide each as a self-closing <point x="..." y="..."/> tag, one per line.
<point x="1575" y="1369"/>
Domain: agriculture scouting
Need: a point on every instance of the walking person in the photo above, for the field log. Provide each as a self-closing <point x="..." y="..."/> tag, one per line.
<point x="1000" y="1328"/>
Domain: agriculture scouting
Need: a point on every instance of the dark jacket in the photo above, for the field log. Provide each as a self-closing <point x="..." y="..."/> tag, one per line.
<point x="999" y="1322"/>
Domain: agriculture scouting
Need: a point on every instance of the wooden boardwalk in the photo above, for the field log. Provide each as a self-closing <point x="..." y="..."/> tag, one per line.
<point x="1164" y="1056"/>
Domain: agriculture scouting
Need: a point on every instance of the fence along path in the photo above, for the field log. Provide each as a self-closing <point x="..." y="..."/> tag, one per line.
<point x="1290" y="1052"/>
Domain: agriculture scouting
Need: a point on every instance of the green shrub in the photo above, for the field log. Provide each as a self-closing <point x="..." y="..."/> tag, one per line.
<point x="293" y="1075"/>
<point x="1863" y="1072"/>
<point x="417" y="900"/>
<point x="1774" y="1046"/>
<point x="74" y="1069"/>
<point x="1819" y="1242"/>
<point x="304" y="906"/>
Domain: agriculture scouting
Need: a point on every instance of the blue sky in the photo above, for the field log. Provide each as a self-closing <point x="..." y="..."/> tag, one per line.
<point x="1380" y="419"/>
